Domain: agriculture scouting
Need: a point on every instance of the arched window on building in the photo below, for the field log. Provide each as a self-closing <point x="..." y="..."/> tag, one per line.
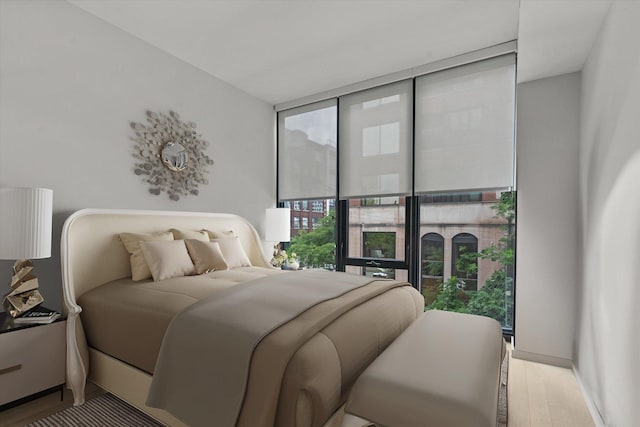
<point x="463" y="267"/>
<point x="432" y="266"/>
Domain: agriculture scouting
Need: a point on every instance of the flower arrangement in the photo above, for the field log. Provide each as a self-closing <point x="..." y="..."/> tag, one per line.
<point x="281" y="258"/>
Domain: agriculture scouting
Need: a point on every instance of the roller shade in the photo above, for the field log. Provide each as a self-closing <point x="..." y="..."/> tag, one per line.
<point x="375" y="141"/>
<point x="464" y="131"/>
<point x="307" y="159"/>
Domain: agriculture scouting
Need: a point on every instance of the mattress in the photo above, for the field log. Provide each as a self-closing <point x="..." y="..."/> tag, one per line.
<point x="127" y="320"/>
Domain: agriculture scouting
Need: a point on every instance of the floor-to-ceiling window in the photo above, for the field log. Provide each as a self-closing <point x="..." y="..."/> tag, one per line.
<point x="412" y="180"/>
<point x="307" y="173"/>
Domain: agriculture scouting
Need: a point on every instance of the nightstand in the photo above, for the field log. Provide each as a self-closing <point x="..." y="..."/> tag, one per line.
<point x="32" y="360"/>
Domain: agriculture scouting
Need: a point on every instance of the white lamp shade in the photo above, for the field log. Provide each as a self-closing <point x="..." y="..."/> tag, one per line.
<point x="25" y="223"/>
<point x="278" y="225"/>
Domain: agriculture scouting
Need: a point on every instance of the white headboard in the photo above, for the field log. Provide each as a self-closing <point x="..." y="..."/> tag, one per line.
<point x="92" y="254"/>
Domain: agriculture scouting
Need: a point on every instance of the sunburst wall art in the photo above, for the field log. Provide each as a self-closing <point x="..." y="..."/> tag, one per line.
<point x="170" y="155"/>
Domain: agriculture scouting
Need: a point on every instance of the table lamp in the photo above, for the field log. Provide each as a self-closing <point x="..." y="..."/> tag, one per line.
<point x="25" y="234"/>
<point x="277" y="227"/>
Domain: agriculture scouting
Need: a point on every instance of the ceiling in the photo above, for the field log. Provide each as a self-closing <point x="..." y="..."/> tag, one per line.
<point x="280" y="50"/>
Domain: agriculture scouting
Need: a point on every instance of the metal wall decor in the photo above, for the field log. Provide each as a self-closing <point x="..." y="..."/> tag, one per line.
<point x="170" y="155"/>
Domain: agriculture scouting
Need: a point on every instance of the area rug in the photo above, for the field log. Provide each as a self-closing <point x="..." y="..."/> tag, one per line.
<point x="107" y="410"/>
<point x="503" y="394"/>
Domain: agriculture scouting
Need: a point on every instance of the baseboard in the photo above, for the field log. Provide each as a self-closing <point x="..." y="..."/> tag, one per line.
<point x="541" y="358"/>
<point x="593" y="409"/>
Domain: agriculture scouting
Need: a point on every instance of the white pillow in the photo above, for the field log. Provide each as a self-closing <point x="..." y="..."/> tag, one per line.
<point x="227" y="234"/>
<point x="180" y="234"/>
<point x="167" y="259"/>
<point x="206" y="256"/>
<point x="233" y="252"/>
<point x="139" y="268"/>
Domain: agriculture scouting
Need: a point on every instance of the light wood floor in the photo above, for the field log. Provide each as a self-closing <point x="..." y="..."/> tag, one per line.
<point x="539" y="396"/>
<point x="544" y="395"/>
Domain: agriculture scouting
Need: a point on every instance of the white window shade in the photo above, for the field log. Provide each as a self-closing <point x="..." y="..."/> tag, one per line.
<point x="307" y="159"/>
<point x="465" y="127"/>
<point x="375" y="141"/>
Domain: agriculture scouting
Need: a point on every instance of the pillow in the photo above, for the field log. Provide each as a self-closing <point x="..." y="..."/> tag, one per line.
<point x="131" y="241"/>
<point x="206" y="256"/>
<point x="167" y="259"/>
<point x="190" y="234"/>
<point x="233" y="252"/>
<point x="213" y="235"/>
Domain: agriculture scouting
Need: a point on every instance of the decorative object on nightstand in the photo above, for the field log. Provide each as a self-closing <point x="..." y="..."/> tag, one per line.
<point x="37" y="315"/>
<point x="277" y="227"/>
<point x="171" y="155"/>
<point x="25" y="233"/>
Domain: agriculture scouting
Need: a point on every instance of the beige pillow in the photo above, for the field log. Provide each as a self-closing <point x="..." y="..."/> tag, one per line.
<point x="233" y="252"/>
<point x="206" y="256"/>
<point x="228" y="234"/>
<point x="190" y="234"/>
<point x="167" y="259"/>
<point x="131" y="241"/>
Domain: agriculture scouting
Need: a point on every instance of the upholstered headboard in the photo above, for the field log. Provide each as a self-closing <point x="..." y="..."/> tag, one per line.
<point x="92" y="254"/>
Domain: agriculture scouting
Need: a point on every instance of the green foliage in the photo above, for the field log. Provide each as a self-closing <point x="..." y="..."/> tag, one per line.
<point x="433" y="264"/>
<point x="490" y="300"/>
<point x="317" y="247"/>
<point x="467" y="262"/>
<point x="450" y="297"/>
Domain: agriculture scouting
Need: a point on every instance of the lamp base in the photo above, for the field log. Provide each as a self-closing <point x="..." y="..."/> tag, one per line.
<point x="24" y="293"/>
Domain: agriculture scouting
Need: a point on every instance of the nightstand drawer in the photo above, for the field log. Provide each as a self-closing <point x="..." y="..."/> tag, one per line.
<point x="31" y="360"/>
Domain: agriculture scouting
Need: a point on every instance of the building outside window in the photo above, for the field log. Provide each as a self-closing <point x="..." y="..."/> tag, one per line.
<point x="305" y="205"/>
<point x="305" y="223"/>
<point x="296" y="222"/>
<point x="296" y="205"/>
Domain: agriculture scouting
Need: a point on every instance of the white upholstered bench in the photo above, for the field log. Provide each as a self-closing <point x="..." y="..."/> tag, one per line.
<point x="443" y="371"/>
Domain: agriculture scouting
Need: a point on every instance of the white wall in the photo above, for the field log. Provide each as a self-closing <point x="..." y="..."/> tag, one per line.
<point x="608" y="352"/>
<point x="70" y="84"/>
<point x="547" y="264"/>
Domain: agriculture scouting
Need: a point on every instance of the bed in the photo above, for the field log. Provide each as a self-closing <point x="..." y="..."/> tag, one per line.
<point x="316" y="377"/>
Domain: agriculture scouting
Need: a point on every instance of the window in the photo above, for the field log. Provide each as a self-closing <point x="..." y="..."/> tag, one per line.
<point x="377" y="201"/>
<point x="379" y="244"/>
<point x="286" y="205"/>
<point x="452" y="198"/>
<point x="445" y="224"/>
<point x="464" y="261"/>
<point x="317" y="206"/>
<point x="381" y="225"/>
<point x="473" y="242"/>
<point x="379" y="272"/>
<point x="432" y="268"/>
<point x="313" y="237"/>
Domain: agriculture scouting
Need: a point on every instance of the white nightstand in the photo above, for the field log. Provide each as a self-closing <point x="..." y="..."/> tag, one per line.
<point x="32" y="359"/>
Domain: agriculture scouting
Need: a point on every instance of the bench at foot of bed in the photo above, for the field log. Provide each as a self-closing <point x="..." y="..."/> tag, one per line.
<point x="444" y="370"/>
